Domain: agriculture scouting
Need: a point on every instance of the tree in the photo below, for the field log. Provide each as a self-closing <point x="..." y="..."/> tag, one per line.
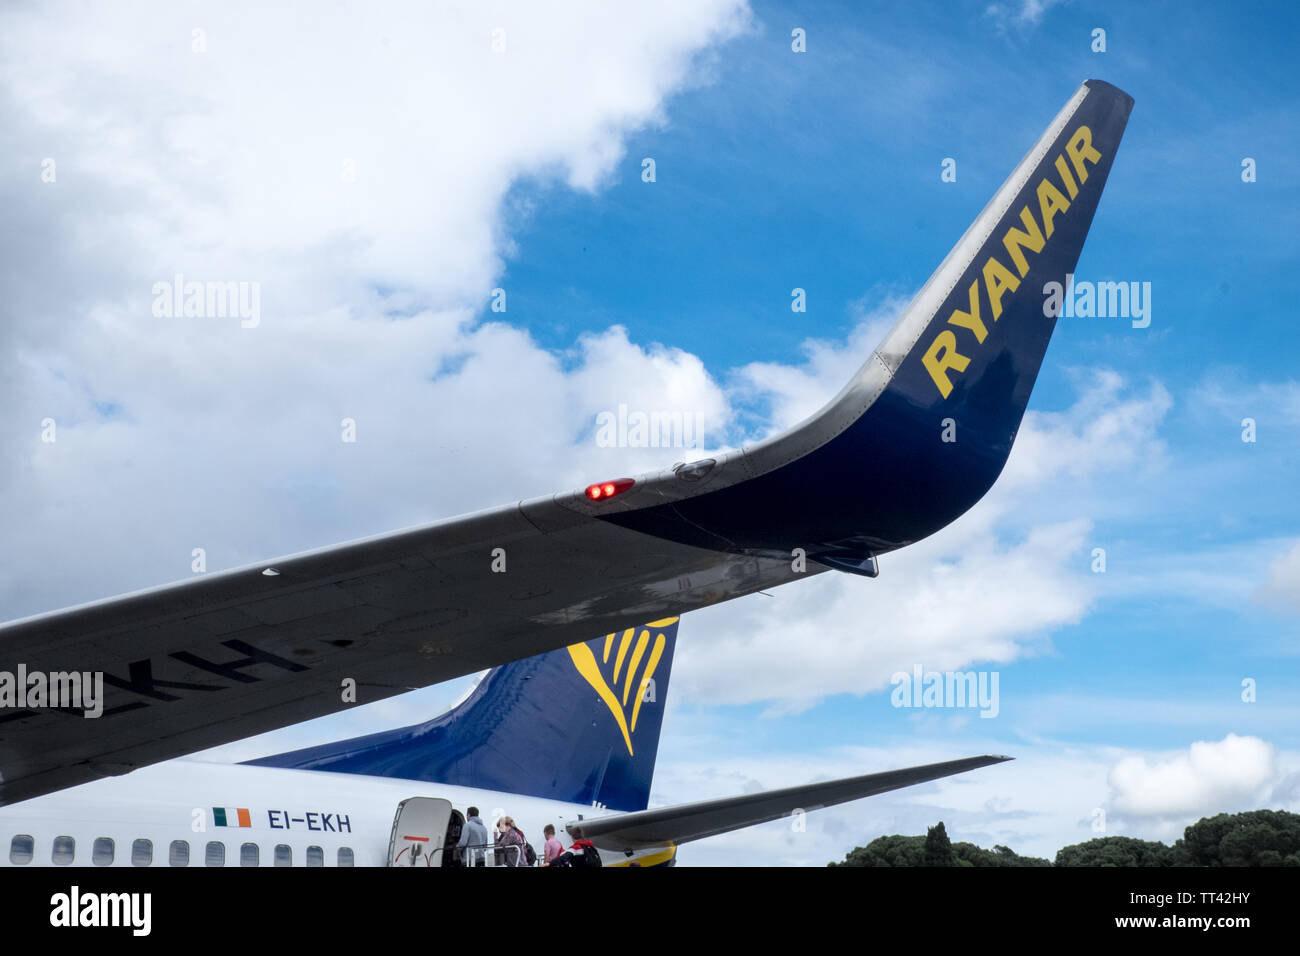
<point x="1116" y="851"/>
<point x="938" y="848"/>
<point x="1254" y="838"/>
<point x="968" y="854"/>
<point x="887" y="851"/>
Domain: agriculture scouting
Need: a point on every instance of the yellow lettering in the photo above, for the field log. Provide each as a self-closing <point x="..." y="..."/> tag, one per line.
<point x="1079" y="152"/>
<point x="1050" y="202"/>
<point x="1066" y="178"/>
<point x="1032" y="240"/>
<point x="971" y="320"/>
<point x="999" y="281"/>
<point x="938" y="364"/>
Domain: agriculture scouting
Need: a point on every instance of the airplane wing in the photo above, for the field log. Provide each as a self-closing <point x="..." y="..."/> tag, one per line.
<point x="671" y="826"/>
<point x="237" y="653"/>
<point x="230" y="655"/>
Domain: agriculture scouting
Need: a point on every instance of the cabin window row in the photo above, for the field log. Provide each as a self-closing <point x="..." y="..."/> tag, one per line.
<point x="22" y="850"/>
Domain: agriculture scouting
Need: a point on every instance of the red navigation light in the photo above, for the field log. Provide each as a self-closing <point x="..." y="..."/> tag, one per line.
<point x="608" y="489"/>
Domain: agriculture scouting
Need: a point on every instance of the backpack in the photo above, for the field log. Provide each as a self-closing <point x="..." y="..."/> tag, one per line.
<point x="526" y="848"/>
<point x="589" y="857"/>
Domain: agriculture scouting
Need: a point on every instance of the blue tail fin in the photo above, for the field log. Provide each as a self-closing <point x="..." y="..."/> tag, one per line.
<point x="579" y="724"/>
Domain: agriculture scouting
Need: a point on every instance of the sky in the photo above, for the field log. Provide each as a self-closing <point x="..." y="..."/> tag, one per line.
<point x="379" y="170"/>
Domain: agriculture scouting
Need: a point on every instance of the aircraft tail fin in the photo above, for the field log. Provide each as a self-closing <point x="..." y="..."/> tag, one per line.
<point x="580" y="724"/>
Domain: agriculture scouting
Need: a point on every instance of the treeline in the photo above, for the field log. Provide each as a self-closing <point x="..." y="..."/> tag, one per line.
<point x="1254" y="838"/>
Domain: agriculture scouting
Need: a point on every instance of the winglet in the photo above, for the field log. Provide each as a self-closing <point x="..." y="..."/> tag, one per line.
<point x="925" y="427"/>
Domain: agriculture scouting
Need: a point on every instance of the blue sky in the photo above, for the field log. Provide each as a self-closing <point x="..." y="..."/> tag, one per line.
<point x="821" y="170"/>
<point x="774" y="170"/>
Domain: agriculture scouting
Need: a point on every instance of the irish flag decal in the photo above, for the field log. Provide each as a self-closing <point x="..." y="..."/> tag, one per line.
<point x="231" y="817"/>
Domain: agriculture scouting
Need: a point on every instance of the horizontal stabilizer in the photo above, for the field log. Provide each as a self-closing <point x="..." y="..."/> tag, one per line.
<point x="669" y="826"/>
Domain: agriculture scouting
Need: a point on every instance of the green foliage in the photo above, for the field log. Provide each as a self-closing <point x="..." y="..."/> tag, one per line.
<point x="911" y="851"/>
<point x="1116" y="851"/>
<point x="887" y="851"/>
<point x="1254" y="838"/>
<point x="968" y="854"/>
<point x="938" y="848"/>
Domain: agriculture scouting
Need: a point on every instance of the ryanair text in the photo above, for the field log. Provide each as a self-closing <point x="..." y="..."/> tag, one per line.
<point x="946" y="355"/>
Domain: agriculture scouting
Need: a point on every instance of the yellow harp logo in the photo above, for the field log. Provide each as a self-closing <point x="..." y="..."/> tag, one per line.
<point x="584" y="659"/>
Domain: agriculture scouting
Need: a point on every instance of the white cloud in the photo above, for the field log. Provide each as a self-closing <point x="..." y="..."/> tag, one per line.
<point x="1024" y="14"/>
<point x="1107" y="430"/>
<point x="793" y="392"/>
<point x="1227" y="394"/>
<point x="1209" y="778"/>
<point x="654" y="379"/>
<point x="228" y="165"/>
<point x="1283" y="585"/>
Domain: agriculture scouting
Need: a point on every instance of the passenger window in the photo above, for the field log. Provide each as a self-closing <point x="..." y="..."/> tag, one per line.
<point x="65" y="848"/>
<point x="248" y="854"/>
<point x="101" y="853"/>
<point x="215" y="855"/>
<point x="21" y="849"/>
<point x="345" y="856"/>
<point x="179" y="853"/>
<point x="142" y="852"/>
<point x="315" y="856"/>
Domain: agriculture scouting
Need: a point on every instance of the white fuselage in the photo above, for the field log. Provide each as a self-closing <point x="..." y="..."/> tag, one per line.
<point x="317" y="816"/>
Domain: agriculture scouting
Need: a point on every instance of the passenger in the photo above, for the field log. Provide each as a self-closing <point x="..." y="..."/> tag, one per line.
<point x="511" y="843"/>
<point x="529" y="854"/>
<point x="474" y="837"/>
<point x="553" y="846"/>
<point x="582" y="854"/>
<point x="451" y="854"/>
<point x="498" y="831"/>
